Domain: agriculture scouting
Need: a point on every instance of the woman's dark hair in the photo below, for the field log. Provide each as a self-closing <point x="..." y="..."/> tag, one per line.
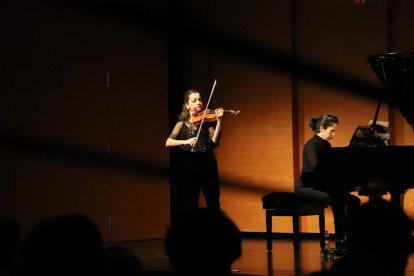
<point x="325" y="121"/>
<point x="185" y="114"/>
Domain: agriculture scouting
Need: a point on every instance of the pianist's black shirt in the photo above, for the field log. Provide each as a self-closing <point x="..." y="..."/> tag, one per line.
<point x="313" y="148"/>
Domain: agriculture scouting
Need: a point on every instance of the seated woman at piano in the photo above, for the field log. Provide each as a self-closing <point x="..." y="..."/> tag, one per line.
<point x="342" y="203"/>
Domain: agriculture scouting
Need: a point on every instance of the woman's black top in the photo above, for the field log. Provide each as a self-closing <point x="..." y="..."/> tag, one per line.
<point x="312" y="150"/>
<point x="204" y="143"/>
<point x="198" y="162"/>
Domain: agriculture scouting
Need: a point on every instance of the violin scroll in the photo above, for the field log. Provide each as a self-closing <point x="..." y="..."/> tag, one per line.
<point x="234" y="112"/>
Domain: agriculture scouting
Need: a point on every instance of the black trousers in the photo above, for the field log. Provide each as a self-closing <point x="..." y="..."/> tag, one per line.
<point x="191" y="174"/>
<point x="342" y="204"/>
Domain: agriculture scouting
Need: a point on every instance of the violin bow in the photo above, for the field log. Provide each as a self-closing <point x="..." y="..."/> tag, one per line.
<point x="206" y="108"/>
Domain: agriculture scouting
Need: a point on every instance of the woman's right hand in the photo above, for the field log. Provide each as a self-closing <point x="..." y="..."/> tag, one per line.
<point x="192" y="142"/>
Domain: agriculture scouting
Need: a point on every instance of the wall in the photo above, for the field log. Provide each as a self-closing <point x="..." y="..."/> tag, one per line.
<point x="91" y="89"/>
<point x="86" y="113"/>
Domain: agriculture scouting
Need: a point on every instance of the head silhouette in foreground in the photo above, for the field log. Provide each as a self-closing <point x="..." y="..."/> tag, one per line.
<point x="66" y="245"/>
<point x="379" y="242"/>
<point x="204" y="242"/>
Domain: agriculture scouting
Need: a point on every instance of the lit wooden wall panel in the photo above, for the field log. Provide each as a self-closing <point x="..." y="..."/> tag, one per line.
<point x="255" y="155"/>
<point x="337" y="37"/>
<point x="43" y="188"/>
<point x="404" y="41"/>
<point x="137" y="123"/>
<point x="57" y="94"/>
<point x="139" y="206"/>
<point x="56" y="60"/>
<point x="254" y="158"/>
<point x="340" y="34"/>
<point x="56" y="104"/>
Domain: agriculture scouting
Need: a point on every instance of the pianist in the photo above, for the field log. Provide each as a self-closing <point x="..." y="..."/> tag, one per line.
<point x="341" y="203"/>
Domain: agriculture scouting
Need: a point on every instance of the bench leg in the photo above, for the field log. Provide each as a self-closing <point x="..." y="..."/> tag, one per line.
<point x="296" y="233"/>
<point x="269" y="230"/>
<point x="322" y="229"/>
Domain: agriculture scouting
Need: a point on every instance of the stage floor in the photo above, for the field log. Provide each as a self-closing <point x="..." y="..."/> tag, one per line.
<point x="254" y="261"/>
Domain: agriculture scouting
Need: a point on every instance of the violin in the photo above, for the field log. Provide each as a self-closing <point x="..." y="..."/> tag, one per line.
<point x="210" y="115"/>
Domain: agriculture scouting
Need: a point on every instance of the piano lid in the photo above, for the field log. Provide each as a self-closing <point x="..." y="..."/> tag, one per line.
<point x="396" y="73"/>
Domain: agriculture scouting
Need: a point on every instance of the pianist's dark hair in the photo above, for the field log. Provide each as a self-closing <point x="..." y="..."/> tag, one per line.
<point x="325" y="120"/>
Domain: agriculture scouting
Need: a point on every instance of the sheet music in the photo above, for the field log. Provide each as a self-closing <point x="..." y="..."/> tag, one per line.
<point x="380" y="123"/>
<point x="385" y="136"/>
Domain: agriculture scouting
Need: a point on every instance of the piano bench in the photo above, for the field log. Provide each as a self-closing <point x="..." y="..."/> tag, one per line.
<point x="289" y="204"/>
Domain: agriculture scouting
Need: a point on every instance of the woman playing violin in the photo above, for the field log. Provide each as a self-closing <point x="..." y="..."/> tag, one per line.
<point x="195" y="167"/>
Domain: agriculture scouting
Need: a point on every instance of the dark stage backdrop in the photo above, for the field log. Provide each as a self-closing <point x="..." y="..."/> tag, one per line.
<point x="89" y="91"/>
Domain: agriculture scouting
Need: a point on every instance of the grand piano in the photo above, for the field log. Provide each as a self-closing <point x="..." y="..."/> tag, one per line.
<point x="369" y="164"/>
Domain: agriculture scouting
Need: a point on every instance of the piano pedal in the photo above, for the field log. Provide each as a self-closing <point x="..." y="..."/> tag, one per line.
<point x="338" y="251"/>
<point x="328" y="253"/>
<point x="333" y="253"/>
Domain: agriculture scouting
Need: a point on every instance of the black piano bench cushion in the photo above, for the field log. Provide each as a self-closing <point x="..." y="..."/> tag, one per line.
<point x="291" y="204"/>
<point x="281" y="200"/>
<point x="290" y="201"/>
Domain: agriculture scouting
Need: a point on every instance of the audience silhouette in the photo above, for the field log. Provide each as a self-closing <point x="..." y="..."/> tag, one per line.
<point x="204" y="242"/>
<point x="121" y="262"/>
<point x="378" y="242"/>
<point x="9" y="233"/>
<point x="67" y="245"/>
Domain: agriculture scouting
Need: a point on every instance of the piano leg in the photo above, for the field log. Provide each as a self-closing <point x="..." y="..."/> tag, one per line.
<point x="374" y="197"/>
<point x="375" y="191"/>
<point x="397" y="197"/>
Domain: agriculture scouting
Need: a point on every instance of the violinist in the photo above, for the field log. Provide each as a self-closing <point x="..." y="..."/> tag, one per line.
<point x="195" y="166"/>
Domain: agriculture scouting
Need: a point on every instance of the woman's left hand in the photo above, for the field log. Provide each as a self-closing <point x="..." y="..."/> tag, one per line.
<point x="219" y="113"/>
